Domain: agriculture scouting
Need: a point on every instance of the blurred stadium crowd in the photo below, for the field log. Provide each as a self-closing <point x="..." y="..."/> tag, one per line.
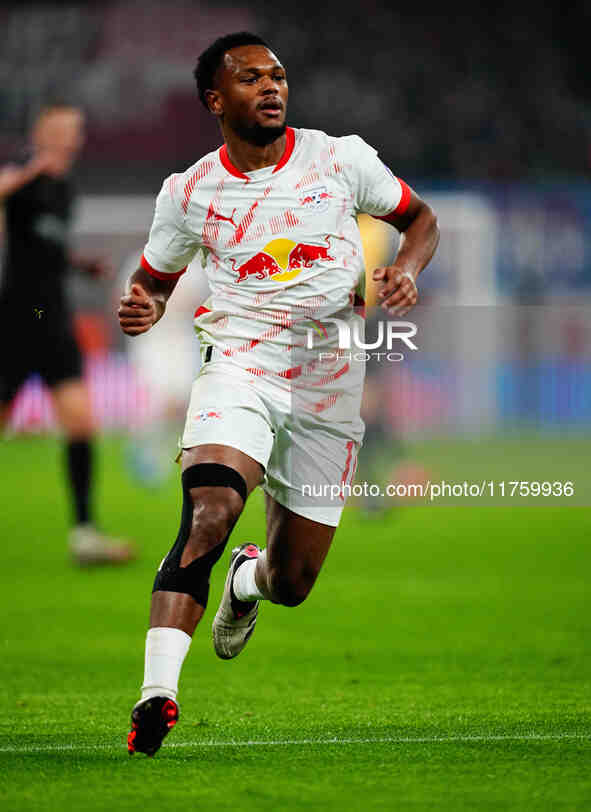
<point x="501" y="92"/>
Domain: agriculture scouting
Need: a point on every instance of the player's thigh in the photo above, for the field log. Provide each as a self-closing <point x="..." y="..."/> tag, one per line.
<point x="296" y="545"/>
<point x="227" y="423"/>
<point x="73" y="409"/>
<point x="312" y="467"/>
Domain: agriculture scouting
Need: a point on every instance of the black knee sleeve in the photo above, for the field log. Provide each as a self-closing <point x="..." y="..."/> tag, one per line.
<point x="193" y="579"/>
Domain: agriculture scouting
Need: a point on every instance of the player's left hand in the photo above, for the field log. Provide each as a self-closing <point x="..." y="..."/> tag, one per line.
<point x="398" y="291"/>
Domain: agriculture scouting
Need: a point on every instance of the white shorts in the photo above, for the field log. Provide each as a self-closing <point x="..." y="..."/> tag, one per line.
<point x="309" y="463"/>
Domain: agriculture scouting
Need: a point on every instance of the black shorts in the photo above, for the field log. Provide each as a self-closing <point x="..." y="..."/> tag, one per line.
<point x="39" y="341"/>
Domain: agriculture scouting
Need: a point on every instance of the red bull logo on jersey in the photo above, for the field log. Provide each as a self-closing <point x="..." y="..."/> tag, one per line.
<point x="315" y="199"/>
<point x="282" y="260"/>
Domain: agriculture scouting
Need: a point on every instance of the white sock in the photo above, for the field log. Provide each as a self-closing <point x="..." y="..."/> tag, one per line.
<point x="166" y="650"/>
<point x="244" y="584"/>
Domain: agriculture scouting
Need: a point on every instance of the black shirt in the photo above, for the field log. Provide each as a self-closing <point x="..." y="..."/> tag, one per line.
<point x="38" y="219"/>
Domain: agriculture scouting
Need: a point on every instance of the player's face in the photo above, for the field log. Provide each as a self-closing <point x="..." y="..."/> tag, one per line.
<point x="251" y="94"/>
<point x="60" y="134"/>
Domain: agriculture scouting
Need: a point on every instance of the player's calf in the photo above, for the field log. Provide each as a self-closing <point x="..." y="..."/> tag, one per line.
<point x="250" y="579"/>
<point x="290" y="588"/>
<point x="296" y="550"/>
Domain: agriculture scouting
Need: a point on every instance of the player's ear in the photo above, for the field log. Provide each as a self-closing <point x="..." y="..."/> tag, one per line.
<point x="214" y="102"/>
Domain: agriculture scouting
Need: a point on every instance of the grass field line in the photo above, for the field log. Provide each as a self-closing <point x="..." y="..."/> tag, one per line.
<point x="460" y="738"/>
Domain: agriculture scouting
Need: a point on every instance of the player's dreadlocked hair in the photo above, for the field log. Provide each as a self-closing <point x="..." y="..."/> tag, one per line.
<point x="211" y="59"/>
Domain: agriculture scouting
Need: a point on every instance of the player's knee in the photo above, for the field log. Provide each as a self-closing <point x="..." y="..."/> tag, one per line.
<point x="73" y="410"/>
<point x="78" y="431"/>
<point x="213" y="516"/>
<point x="208" y="515"/>
<point x="213" y="497"/>
<point x="77" y="423"/>
<point x="289" y="589"/>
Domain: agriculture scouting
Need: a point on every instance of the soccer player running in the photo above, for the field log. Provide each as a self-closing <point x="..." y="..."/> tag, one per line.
<point x="36" y="331"/>
<point x="273" y="213"/>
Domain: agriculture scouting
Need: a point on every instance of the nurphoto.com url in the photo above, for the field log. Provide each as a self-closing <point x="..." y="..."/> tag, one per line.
<point x="432" y="491"/>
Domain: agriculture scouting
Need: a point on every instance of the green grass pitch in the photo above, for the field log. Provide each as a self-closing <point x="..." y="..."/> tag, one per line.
<point x="443" y="661"/>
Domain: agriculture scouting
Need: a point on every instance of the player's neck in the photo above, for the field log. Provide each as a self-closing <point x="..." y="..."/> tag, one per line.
<point x="248" y="157"/>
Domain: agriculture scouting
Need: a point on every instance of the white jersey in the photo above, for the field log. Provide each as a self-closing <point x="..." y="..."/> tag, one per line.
<point x="282" y="251"/>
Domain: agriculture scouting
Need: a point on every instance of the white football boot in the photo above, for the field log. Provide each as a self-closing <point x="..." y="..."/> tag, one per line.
<point x="90" y="547"/>
<point x="235" y="620"/>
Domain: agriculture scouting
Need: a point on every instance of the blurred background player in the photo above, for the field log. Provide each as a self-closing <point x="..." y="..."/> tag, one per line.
<point x="36" y="329"/>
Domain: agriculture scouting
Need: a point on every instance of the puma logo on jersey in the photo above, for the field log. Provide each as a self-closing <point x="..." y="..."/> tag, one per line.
<point x="229" y="219"/>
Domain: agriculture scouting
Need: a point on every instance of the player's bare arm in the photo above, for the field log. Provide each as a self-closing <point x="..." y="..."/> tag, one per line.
<point x="144" y="302"/>
<point x="419" y="239"/>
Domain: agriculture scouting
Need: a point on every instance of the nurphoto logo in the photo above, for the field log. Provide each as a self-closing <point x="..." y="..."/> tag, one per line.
<point x="389" y="335"/>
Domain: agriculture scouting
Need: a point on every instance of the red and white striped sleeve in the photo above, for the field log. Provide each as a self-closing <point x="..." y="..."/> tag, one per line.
<point x="377" y="190"/>
<point x="171" y="245"/>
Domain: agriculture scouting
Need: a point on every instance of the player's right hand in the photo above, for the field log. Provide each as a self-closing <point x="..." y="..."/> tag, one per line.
<point x="137" y="311"/>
